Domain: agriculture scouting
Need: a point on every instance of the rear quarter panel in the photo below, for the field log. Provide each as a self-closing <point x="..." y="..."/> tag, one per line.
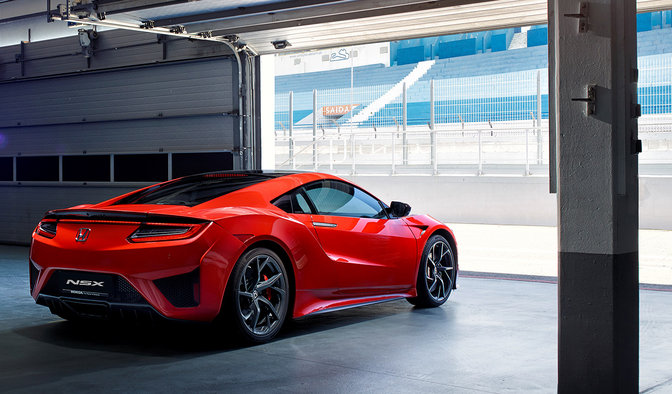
<point x="313" y="271"/>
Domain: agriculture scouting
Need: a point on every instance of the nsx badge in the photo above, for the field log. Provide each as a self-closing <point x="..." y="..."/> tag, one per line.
<point x="91" y="283"/>
<point x="83" y="234"/>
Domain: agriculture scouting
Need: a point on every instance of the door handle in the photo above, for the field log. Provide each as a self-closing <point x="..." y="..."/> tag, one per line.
<point x="323" y="224"/>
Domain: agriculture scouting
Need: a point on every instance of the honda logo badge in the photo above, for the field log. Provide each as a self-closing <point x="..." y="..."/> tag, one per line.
<point x="83" y="234"/>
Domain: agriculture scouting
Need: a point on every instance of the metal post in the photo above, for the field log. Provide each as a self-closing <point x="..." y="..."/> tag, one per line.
<point x="111" y="168"/>
<point x="170" y="166"/>
<point x="480" y="154"/>
<point x="539" y="138"/>
<point x="352" y="85"/>
<point x="331" y="154"/>
<point x="431" y="104"/>
<point x="403" y="125"/>
<point x="315" y="129"/>
<point x="291" y="130"/>
<point x="527" y="152"/>
<point x="354" y="154"/>
<point x="394" y="153"/>
<point x="435" y="169"/>
<point x="435" y="162"/>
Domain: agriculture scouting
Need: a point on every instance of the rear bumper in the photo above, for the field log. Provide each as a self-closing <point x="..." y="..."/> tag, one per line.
<point x="175" y="280"/>
<point x="95" y="309"/>
<point x="118" y="301"/>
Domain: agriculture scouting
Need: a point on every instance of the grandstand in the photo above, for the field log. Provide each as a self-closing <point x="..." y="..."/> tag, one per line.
<point x="456" y="56"/>
<point x="485" y="80"/>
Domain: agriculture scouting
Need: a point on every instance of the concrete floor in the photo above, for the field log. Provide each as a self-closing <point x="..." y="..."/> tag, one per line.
<point x="492" y="336"/>
<point x="533" y="250"/>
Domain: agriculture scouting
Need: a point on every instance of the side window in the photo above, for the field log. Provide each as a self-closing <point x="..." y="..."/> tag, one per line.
<point x="292" y="202"/>
<point x="284" y="202"/>
<point x="301" y="203"/>
<point x="342" y="199"/>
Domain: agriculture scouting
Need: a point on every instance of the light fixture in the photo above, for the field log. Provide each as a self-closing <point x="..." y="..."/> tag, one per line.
<point x="282" y="44"/>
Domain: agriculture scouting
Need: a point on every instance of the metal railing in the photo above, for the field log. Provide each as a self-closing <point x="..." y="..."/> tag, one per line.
<point x="478" y="149"/>
<point x="522" y="150"/>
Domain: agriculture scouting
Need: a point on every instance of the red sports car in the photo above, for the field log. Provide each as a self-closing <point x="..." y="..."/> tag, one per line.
<point x="249" y="247"/>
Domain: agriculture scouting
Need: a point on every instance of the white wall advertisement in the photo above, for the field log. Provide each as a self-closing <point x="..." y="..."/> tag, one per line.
<point x="331" y="59"/>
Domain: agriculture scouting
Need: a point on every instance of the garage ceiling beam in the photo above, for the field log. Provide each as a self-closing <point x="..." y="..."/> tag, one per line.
<point x="321" y="24"/>
<point x="426" y="21"/>
<point x="417" y="21"/>
<point x="92" y="21"/>
<point x="121" y="6"/>
<point x="343" y="11"/>
<point x="243" y="11"/>
<point x="15" y="11"/>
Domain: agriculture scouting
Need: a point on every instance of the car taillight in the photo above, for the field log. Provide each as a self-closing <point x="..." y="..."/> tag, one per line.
<point x="47" y="228"/>
<point x="153" y="232"/>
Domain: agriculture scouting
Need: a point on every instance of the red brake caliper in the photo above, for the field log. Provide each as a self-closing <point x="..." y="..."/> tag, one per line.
<point x="268" y="291"/>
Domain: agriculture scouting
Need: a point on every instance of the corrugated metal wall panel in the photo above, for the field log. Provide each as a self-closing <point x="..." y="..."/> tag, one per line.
<point x="149" y="106"/>
<point x="190" y="88"/>
<point x="54" y="66"/>
<point x="121" y="38"/>
<point x="121" y="47"/>
<point x="8" y="71"/>
<point x="7" y="53"/>
<point x="8" y="66"/>
<point x="149" y="135"/>
<point x="39" y="49"/>
<point x="24" y="206"/>
<point x="116" y="48"/>
<point x="180" y="49"/>
<point x="120" y="57"/>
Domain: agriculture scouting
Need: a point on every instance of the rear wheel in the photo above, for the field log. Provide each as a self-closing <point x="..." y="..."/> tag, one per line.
<point x="436" y="276"/>
<point x="259" y="295"/>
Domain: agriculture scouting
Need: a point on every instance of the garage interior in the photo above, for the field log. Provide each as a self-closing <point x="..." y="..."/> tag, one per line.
<point x="129" y="93"/>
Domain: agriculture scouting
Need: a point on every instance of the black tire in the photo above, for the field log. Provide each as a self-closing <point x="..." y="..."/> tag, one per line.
<point x="258" y="296"/>
<point x="436" y="274"/>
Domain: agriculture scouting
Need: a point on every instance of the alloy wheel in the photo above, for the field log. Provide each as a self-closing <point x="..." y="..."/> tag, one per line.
<point x="439" y="271"/>
<point x="261" y="295"/>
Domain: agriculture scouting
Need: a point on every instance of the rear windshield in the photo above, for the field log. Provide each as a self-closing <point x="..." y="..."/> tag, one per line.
<point x="196" y="189"/>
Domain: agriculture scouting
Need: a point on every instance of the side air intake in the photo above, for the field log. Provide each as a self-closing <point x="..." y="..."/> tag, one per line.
<point x="183" y="291"/>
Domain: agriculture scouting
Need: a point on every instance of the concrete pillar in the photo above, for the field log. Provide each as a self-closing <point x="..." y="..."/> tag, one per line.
<point x="594" y="66"/>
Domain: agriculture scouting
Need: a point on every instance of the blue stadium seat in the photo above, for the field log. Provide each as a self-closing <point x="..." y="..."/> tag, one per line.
<point x="459" y="56"/>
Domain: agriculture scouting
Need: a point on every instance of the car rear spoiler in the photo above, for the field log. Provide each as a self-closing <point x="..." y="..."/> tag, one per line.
<point x="119" y="216"/>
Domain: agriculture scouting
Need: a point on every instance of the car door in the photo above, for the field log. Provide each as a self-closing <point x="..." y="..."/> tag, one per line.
<point x="373" y="254"/>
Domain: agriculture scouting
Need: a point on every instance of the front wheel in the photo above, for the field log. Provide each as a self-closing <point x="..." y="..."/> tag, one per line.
<point x="259" y="295"/>
<point x="436" y="276"/>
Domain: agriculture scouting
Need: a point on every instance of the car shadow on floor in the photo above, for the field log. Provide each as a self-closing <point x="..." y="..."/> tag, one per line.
<point x="55" y="354"/>
<point x="176" y="339"/>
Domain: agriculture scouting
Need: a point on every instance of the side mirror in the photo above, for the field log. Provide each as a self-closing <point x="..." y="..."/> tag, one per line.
<point x="399" y="209"/>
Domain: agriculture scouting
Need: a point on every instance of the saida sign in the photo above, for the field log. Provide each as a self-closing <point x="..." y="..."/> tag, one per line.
<point x="338" y="110"/>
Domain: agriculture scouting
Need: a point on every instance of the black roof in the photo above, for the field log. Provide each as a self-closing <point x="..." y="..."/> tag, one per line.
<point x="196" y="189"/>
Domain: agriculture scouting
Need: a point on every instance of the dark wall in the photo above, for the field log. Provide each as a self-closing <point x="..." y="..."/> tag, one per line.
<point x="140" y="109"/>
